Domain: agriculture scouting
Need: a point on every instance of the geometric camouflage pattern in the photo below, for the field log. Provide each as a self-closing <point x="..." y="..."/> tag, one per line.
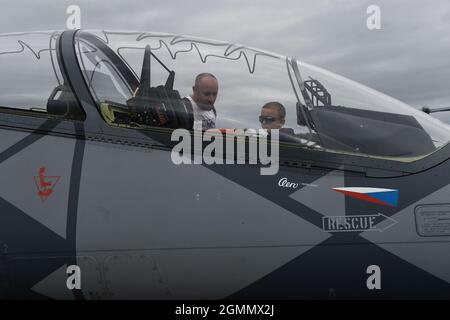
<point x="112" y="202"/>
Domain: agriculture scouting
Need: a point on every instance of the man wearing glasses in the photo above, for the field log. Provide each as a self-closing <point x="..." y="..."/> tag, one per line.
<point x="272" y="116"/>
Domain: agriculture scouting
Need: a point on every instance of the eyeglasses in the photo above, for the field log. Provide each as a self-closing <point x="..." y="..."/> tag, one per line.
<point x="267" y="119"/>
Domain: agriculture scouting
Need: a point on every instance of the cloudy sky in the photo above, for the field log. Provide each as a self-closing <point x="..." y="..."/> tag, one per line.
<point x="408" y="58"/>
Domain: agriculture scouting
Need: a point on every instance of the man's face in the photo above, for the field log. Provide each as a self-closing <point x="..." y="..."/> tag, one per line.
<point x="205" y="93"/>
<point x="270" y="119"/>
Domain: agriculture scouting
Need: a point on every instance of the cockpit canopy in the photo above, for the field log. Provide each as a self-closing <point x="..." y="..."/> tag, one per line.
<point x="139" y="81"/>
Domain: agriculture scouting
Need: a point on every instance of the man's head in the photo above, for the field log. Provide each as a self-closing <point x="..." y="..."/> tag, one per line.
<point x="205" y="90"/>
<point x="272" y="116"/>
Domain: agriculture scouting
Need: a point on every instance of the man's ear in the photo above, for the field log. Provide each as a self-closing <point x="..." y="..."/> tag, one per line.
<point x="283" y="120"/>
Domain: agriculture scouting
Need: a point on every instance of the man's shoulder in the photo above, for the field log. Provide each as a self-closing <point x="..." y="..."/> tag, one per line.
<point x="188" y="99"/>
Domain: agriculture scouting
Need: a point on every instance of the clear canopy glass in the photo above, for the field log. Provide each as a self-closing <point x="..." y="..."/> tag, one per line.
<point x="322" y="110"/>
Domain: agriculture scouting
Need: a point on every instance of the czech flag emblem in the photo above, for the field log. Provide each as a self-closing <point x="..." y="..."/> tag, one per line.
<point x="387" y="197"/>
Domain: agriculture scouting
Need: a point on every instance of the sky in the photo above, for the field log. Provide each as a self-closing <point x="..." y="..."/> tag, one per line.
<point x="408" y="58"/>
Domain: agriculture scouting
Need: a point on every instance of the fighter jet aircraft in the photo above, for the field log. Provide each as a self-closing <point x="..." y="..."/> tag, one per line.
<point x="358" y="208"/>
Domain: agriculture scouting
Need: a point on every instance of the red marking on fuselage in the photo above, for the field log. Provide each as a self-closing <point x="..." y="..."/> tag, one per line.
<point x="45" y="184"/>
